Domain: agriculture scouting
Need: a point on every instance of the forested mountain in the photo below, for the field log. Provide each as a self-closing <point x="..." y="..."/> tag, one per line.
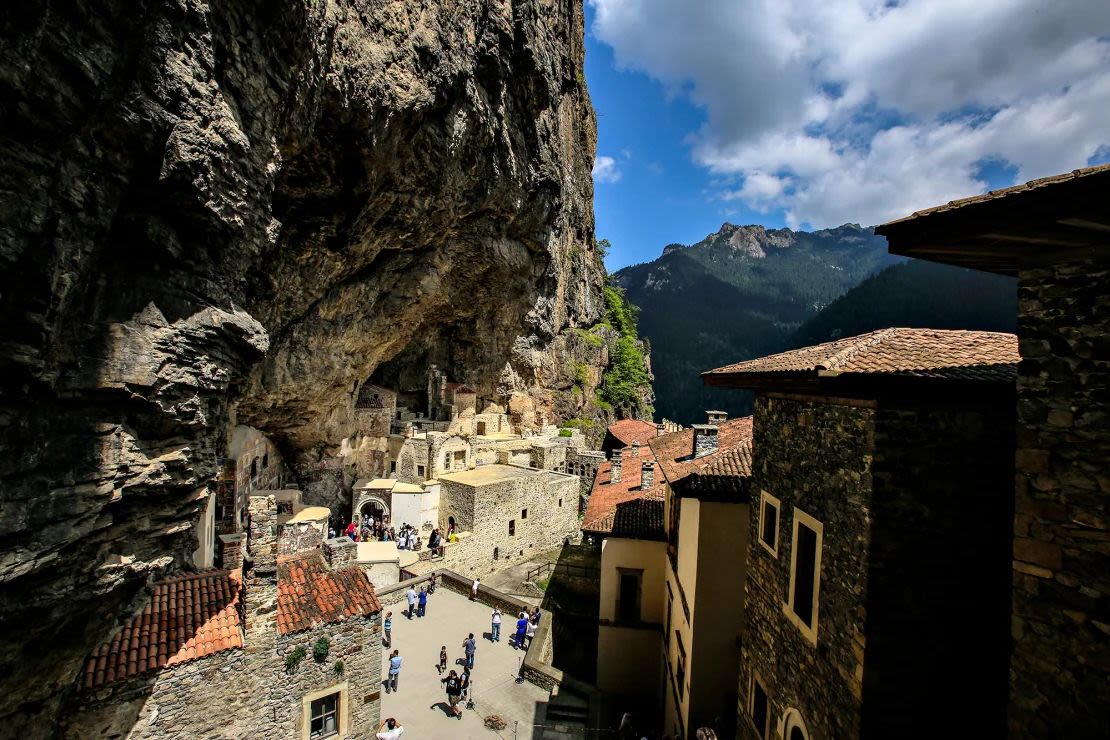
<point x="746" y="291"/>
<point x="917" y="294"/>
<point x="739" y="293"/>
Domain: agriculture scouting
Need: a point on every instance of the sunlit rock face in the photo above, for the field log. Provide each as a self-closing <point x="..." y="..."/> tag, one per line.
<point x="233" y="212"/>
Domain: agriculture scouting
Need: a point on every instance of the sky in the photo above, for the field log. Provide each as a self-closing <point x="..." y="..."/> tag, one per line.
<point x="813" y="113"/>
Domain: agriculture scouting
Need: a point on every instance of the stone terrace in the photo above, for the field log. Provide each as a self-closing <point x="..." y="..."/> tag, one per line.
<point x="421" y="702"/>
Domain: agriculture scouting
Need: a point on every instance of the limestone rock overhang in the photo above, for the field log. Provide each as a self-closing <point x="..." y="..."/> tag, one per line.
<point x="1003" y="231"/>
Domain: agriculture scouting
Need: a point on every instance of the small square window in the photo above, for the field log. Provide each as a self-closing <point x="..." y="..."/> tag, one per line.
<point x="769" y="523"/>
<point x="560" y="503"/>
<point x="324" y="716"/>
<point x="419" y="471"/>
<point x="512" y="527"/>
<point x="524" y="513"/>
<point x="393" y="466"/>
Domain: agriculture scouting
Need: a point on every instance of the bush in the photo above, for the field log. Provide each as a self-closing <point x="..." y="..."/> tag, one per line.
<point x="566" y="432"/>
<point x="625" y="380"/>
<point x="340" y="667"/>
<point x="320" y="649"/>
<point x="293" y="659"/>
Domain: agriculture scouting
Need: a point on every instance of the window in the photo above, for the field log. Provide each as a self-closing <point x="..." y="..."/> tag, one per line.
<point x="419" y="471"/>
<point x="524" y="513"/>
<point x="759" y="709"/>
<point x="628" y="595"/>
<point x="324" y="717"/>
<point x="266" y="461"/>
<point x="805" y="574"/>
<point x="392" y="467"/>
<point x="560" y="503"/>
<point x="512" y="527"/>
<point x="769" y="523"/>
<point x="795" y="728"/>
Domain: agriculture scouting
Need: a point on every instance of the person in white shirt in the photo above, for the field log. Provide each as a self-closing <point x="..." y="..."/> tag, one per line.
<point x="496" y="626"/>
<point x="411" y="596"/>
<point x="389" y="730"/>
<point x="474" y="589"/>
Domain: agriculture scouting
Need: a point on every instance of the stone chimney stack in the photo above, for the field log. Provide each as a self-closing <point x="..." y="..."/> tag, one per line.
<point x="717" y="418"/>
<point x="615" y="467"/>
<point x="635" y="449"/>
<point x="647" y="476"/>
<point x="705" y="439"/>
<point x="231" y="550"/>
<point x="660" y="429"/>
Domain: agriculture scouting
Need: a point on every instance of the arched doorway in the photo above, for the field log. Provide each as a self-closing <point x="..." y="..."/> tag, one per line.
<point x="373" y="506"/>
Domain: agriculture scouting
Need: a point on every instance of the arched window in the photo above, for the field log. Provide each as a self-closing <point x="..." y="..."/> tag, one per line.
<point x="254" y="468"/>
<point x="266" y="461"/>
<point x="795" y="728"/>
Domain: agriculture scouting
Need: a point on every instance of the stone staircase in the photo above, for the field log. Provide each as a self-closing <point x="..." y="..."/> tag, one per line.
<point x="570" y="715"/>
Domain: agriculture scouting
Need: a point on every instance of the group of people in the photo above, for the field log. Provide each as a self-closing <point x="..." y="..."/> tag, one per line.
<point x="457" y="685"/>
<point x="366" y="528"/>
<point x="526" y="624"/>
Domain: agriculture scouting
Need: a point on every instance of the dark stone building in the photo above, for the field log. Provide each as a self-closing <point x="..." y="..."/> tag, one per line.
<point x="877" y="593"/>
<point x="1054" y="235"/>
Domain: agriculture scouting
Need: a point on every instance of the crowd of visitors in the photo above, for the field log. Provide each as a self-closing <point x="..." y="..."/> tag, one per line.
<point x="368" y="529"/>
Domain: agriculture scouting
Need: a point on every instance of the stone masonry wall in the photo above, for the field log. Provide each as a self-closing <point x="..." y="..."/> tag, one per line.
<point x="1060" y="672"/>
<point x="242" y="692"/>
<point x="816" y="456"/>
<point x="496" y="504"/>
<point x="262" y="512"/>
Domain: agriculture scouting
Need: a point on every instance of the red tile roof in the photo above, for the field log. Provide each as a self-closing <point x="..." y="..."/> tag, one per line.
<point x="922" y="353"/>
<point x="674" y="451"/>
<point x="628" y="431"/>
<point x="309" y="594"/>
<point x="187" y="617"/>
<point x="623" y="509"/>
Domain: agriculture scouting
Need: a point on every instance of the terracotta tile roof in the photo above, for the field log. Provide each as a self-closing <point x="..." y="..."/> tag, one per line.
<point x="628" y="431"/>
<point x="726" y="477"/>
<point x="734" y="440"/>
<point x="1002" y="193"/>
<point x="622" y="509"/>
<point x="309" y="594"/>
<point x="187" y="617"/>
<point x="923" y="353"/>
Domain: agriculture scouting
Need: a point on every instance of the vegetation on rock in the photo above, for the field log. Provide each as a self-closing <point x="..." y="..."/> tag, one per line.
<point x="626" y="382"/>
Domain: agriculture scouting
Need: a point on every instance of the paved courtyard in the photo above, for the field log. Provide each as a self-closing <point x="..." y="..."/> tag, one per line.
<point x="421" y="702"/>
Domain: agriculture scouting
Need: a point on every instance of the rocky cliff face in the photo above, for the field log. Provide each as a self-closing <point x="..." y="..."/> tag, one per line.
<point x="227" y="210"/>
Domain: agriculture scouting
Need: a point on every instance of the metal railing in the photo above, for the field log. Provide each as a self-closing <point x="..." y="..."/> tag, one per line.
<point x="567" y="569"/>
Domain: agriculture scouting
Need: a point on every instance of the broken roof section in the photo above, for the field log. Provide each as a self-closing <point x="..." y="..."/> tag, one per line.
<point x="1005" y="230"/>
<point x="310" y="594"/>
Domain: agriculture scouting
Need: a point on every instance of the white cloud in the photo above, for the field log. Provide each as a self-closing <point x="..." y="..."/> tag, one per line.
<point x="863" y="110"/>
<point x="606" y="170"/>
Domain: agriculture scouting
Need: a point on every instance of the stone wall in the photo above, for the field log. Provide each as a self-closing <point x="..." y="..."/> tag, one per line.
<point x="584" y="464"/>
<point x="262" y="536"/>
<point x="300" y="537"/>
<point x="815" y="456"/>
<point x="1060" y="671"/>
<point x="242" y="692"/>
<point x="486" y="511"/>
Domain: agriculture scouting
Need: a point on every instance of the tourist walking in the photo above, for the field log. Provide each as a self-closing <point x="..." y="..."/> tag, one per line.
<point x="432" y="584"/>
<point x="495" y="629"/>
<point x="388" y="630"/>
<point x="389" y="729"/>
<point x="469" y="647"/>
<point x="464" y="684"/>
<point x="410" y="595"/>
<point x="454" y="690"/>
<point x="521" y="630"/>
<point x="530" y="632"/>
<point x="474" y="589"/>
<point x="536" y="613"/>
<point x="422" y="602"/>
<point x="394" y="671"/>
<point x="442" y="660"/>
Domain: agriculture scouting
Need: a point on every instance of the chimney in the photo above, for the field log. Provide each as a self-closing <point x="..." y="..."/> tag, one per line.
<point x="635" y="449"/>
<point x="660" y="429"/>
<point x="705" y="439"/>
<point x="717" y="418"/>
<point x="647" y="476"/>
<point x="231" y="550"/>
<point x="615" y="467"/>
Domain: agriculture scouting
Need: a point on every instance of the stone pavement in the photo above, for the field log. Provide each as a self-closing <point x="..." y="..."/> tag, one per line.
<point x="420" y="705"/>
<point x="511" y="580"/>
